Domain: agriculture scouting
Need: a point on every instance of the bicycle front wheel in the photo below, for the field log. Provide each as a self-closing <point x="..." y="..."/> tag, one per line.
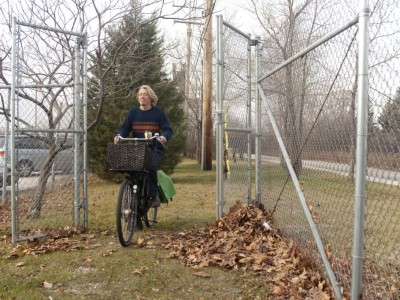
<point x="127" y="212"/>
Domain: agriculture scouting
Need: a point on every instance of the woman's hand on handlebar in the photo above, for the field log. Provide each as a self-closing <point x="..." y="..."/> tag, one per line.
<point x="117" y="139"/>
<point x="162" y="139"/>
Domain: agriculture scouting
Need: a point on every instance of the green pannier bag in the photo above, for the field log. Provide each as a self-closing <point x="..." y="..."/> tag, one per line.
<point x="166" y="189"/>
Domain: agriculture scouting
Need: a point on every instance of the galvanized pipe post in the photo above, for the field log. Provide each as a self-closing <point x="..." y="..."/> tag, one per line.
<point x="77" y="125"/>
<point x="361" y="152"/>
<point x="85" y="135"/>
<point x="258" y="124"/>
<point x="220" y="119"/>
<point x="248" y="120"/>
<point x="14" y="202"/>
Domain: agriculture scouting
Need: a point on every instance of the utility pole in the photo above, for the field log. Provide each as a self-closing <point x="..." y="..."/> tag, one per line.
<point x="188" y="63"/>
<point x="206" y="162"/>
<point x="187" y="72"/>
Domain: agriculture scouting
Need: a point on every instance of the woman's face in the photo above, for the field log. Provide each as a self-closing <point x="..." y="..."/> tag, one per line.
<point x="144" y="99"/>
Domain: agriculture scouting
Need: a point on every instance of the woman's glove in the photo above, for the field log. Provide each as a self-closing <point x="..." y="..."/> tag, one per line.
<point x="116" y="139"/>
<point x="162" y="139"/>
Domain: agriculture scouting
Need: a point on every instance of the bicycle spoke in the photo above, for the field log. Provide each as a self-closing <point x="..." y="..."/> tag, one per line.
<point x="126" y="213"/>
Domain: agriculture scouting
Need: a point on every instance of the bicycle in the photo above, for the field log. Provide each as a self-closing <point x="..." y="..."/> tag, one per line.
<point x="133" y="205"/>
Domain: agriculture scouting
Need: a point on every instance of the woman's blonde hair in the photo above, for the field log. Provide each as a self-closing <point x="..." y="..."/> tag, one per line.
<point x="153" y="97"/>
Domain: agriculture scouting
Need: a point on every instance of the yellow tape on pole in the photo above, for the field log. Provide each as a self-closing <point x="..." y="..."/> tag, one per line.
<point x="227" y="169"/>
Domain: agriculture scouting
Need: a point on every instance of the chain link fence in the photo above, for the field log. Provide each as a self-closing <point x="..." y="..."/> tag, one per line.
<point x="237" y="116"/>
<point x="43" y="140"/>
<point x="313" y="99"/>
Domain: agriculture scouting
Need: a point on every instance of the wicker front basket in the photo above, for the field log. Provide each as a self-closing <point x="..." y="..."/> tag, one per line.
<point x="129" y="156"/>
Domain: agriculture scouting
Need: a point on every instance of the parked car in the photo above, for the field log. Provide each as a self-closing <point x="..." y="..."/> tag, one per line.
<point x="31" y="154"/>
<point x="3" y="170"/>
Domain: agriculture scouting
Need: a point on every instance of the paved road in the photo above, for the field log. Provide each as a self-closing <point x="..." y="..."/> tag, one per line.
<point x="25" y="183"/>
<point x="374" y="175"/>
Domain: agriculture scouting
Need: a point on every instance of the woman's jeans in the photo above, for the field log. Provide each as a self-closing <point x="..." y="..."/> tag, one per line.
<point x="155" y="159"/>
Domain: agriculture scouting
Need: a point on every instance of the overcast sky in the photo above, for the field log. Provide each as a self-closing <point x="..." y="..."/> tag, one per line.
<point x="229" y="9"/>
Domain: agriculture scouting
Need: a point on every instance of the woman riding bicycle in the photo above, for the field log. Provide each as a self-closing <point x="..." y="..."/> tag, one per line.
<point x="142" y="120"/>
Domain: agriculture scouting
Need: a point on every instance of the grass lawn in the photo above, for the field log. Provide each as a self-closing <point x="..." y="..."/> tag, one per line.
<point x="94" y="266"/>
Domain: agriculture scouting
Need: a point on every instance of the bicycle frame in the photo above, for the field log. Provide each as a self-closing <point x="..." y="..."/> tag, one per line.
<point x="140" y="187"/>
<point x="133" y="205"/>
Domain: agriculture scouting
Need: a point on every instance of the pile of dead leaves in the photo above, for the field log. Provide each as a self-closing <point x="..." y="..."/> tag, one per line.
<point x="67" y="239"/>
<point x="245" y="240"/>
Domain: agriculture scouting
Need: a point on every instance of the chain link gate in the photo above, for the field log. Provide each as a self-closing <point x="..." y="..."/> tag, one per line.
<point x="234" y="113"/>
<point x="309" y="152"/>
<point x="46" y="136"/>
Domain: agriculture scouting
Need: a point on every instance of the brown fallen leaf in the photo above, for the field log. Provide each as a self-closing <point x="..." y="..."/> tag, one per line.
<point x="88" y="236"/>
<point x="47" y="285"/>
<point x="137" y="272"/>
<point x="202" y="274"/>
<point x="317" y="294"/>
<point x="140" y="271"/>
<point x="20" y="264"/>
<point x="278" y="290"/>
<point x="328" y="251"/>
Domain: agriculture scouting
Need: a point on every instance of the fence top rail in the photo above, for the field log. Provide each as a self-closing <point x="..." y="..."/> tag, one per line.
<point x="50" y="29"/>
<point x="247" y="36"/>
<point x="34" y="86"/>
<point x="41" y="130"/>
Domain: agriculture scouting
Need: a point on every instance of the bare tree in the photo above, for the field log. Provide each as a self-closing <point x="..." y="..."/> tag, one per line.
<point x="288" y="29"/>
<point x="193" y="99"/>
<point x="384" y="16"/>
<point x="48" y="58"/>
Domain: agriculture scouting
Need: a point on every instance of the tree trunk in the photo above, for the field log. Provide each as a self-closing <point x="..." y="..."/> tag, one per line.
<point x="45" y="172"/>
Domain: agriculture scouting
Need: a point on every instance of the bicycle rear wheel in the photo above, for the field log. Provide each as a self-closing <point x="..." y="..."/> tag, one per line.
<point x="127" y="212"/>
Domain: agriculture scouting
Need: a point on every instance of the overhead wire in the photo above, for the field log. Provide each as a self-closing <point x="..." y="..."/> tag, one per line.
<point x="201" y="40"/>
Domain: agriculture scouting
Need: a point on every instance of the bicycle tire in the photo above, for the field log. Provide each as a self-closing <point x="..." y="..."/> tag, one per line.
<point x="150" y="218"/>
<point x="127" y="212"/>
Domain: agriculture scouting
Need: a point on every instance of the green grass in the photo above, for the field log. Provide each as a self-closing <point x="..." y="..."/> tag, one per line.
<point x="108" y="271"/>
<point x="332" y="200"/>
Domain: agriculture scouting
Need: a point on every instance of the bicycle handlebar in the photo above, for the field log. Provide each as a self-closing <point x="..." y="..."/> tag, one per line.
<point x="156" y="136"/>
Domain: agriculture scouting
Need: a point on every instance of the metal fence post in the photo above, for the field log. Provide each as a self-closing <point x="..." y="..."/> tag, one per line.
<point x="258" y="124"/>
<point x="77" y="105"/>
<point x="361" y="152"/>
<point x="248" y="120"/>
<point x="220" y="118"/>
<point x="14" y="208"/>
<point x="85" y="140"/>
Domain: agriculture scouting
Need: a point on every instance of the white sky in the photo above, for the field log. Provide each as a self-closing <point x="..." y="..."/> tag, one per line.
<point x="232" y="10"/>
